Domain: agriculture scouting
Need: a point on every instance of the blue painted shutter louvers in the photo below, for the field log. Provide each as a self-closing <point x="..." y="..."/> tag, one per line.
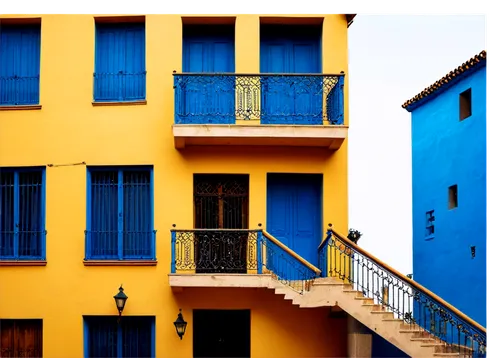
<point x="120" y="68"/>
<point x="22" y="207"/>
<point x="19" y="64"/>
<point x="121" y="215"/>
<point x="133" y="337"/>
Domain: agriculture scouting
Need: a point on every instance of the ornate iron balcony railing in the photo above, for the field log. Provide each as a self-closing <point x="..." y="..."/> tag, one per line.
<point x="237" y="251"/>
<point x="417" y="306"/>
<point x="223" y="98"/>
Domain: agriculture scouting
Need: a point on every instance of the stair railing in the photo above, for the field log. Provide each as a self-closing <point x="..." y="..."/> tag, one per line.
<point x="421" y="309"/>
<point x="223" y="251"/>
<point x="284" y="264"/>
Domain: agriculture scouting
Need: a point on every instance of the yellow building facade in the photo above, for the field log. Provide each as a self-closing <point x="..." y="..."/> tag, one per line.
<point x="70" y="130"/>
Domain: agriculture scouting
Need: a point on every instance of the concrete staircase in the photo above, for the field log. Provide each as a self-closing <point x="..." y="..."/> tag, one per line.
<point x="329" y="291"/>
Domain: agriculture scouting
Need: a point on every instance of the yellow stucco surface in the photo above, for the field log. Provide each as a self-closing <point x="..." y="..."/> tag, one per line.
<point x="69" y="129"/>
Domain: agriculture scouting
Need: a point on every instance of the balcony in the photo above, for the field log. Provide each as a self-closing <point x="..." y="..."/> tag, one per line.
<point x="262" y="109"/>
<point x="235" y="258"/>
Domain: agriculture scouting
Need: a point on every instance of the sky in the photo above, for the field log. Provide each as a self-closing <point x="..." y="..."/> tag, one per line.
<point x="391" y="59"/>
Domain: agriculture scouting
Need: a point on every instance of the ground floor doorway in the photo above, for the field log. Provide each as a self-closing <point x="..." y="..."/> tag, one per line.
<point x="221" y="333"/>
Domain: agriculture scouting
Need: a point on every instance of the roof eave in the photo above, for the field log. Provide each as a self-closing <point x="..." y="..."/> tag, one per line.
<point x="470" y="66"/>
<point x="349" y="18"/>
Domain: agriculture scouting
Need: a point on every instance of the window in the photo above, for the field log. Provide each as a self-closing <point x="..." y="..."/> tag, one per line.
<point x="105" y="337"/>
<point x="21" y="338"/>
<point x="429" y="227"/>
<point x="465" y="104"/>
<point x="453" y="197"/>
<point x="19" y="64"/>
<point x="120" y="213"/>
<point x="120" y="62"/>
<point x="22" y="213"/>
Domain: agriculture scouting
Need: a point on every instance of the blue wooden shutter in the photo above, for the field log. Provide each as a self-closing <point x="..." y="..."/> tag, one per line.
<point x="208" y="99"/>
<point x="102" y="340"/>
<point x="135" y="63"/>
<point x="109" y="63"/>
<point x="308" y="91"/>
<point x="120" y="70"/>
<point x="19" y="64"/>
<point x="104" y="214"/>
<point x="6" y="214"/>
<point x="137" y="230"/>
<point x="277" y="94"/>
<point x="30" y="225"/>
<point x="137" y="337"/>
<point x="287" y="49"/>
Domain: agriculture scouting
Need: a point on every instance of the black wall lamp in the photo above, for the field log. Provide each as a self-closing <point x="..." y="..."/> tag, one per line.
<point x="120" y="300"/>
<point x="180" y="325"/>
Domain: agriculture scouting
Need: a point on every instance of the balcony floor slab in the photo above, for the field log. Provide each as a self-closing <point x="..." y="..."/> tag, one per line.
<point x="326" y="136"/>
<point x="220" y="280"/>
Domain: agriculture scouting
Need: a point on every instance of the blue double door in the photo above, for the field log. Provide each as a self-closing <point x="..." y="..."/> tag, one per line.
<point x="288" y="99"/>
<point x="294" y="217"/>
<point x="207" y="98"/>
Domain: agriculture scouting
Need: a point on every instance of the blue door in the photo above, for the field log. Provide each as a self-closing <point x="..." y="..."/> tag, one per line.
<point x="294" y="217"/>
<point x="208" y="98"/>
<point x="291" y="99"/>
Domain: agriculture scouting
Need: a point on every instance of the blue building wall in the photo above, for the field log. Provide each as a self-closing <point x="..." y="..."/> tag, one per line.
<point x="446" y="152"/>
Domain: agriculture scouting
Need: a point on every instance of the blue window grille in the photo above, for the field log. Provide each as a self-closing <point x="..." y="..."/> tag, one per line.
<point x="429" y="226"/>
<point x="120" y="62"/>
<point x="104" y="336"/>
<point x="22" y="213"/>
<point x="19" y="64"/>
<point x="120" y="214"/>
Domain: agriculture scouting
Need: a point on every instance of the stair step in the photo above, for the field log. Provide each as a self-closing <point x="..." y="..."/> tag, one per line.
<point x="417" y="333"/>
<point x="357" y="293"/>
<point x="424" y="339"/>
<point x="373" y="306"/>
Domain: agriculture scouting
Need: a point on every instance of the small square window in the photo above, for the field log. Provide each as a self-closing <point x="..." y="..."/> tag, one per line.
<point x="465" y="104"/>
<point x="453" y="197"/>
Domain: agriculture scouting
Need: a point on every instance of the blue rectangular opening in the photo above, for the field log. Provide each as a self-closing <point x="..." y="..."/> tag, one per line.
<point x="120" y="213"/>
<point x="19" y="64"/>
<point x="120" y="62"/>
<point x="130" y="336"/>
<point x="292" y="53"/>
<point x="22" y="213"/>
<point x="205" y="96"/>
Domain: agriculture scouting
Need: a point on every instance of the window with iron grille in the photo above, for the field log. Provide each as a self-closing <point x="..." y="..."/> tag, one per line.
<point x="106" y="337"/>
<point x="22" y="213"/>
<point x="120" y="62"/>
<point x="120" y="214"/>
<point x="19" y="64"/>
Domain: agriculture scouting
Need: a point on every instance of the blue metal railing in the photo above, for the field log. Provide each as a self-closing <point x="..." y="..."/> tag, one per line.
<point x="294" y="99"/>
<point x="120" y="86"/>
<point x="418" y="307"/>
<point x="19" y="90"/>
<point x="238" y="251"/>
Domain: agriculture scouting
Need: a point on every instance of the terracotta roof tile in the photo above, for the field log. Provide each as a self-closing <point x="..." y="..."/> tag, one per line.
<point x="451" y="77"/>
